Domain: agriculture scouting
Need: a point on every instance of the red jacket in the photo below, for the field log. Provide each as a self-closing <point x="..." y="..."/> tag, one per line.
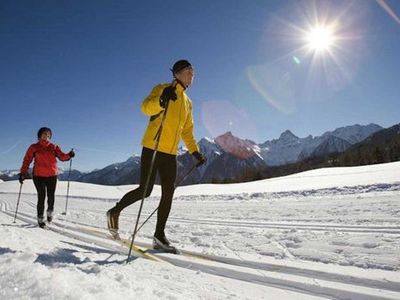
<point x="45" y="154"/>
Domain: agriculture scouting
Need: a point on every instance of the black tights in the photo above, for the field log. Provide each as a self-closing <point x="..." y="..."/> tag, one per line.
<point x="42" y="184"/>
<point x="165" y="164"/>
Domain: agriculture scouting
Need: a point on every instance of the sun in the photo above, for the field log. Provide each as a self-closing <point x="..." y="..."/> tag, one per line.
<point x="320" y="38"/>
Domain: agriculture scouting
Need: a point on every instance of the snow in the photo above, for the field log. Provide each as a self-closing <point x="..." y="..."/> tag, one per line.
<point x="331" y="178"/>
<point x="324" y="234"/>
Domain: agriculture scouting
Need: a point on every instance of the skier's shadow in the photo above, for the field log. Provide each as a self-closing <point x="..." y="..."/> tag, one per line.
<point x="97" y="250"/>
<point x="6" y="250"/>
<point x="65" y="257"/>
<point x="59" y="258"/>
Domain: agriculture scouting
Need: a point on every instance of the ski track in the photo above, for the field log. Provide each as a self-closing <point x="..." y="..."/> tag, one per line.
<point x="307" y="281"/>
<point x="332" y="191"/>
<point x="273" y="225"/>
<point x="276" y="225"/>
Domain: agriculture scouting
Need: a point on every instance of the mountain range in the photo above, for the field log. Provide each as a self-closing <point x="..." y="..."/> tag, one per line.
<point x="232" y="159"/>
<point x="382" y="146"/>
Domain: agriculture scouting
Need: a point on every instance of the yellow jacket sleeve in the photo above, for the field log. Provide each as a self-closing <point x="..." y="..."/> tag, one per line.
<point x="187" y="132"/>
<point x="151" y="104"/>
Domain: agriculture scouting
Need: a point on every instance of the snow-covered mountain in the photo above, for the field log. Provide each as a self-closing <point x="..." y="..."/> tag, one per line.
<point x="382" y="146"/>
<point x="242" y="149"/>
<point x="354" y="134"/>
<point x="286" y="149"/>
<point x="209" y="149"/>
<point x="232" y="159"/>
<point x="229" y="158"/>
<point x="331" y="144"/>
<point x="118" y="173"/>
<point x="64" y="174"/>
<point x="236" y="158"/>
<point x="9" y="173"/>
<point x="290" y="149"/>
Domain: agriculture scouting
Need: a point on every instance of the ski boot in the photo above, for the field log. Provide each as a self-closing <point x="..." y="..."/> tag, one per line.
<point x="49" y="216"/>
<point x="41" y="222"/>
<point x="160" y="242"/>
<point x="112" y="224"/>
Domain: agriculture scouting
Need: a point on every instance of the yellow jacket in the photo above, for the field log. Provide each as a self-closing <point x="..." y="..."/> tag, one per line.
<point x="178" y="121"/>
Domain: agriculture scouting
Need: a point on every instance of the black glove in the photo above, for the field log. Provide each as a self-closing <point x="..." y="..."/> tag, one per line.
<point x="200" y="158"/>
<point x="21" y="178"/>
<point x="71" y="154"/>
<point x="167" y="94"/>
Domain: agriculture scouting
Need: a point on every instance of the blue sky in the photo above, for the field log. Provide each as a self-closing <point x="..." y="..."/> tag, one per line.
<point x="82" y="68"/>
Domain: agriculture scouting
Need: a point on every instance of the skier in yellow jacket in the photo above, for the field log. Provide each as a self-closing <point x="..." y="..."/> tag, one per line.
<point x="178" y="124"/>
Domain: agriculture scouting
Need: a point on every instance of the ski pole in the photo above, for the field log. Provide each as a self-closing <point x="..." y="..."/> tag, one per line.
<point x="158" y="136"/>
<point x="19" y="197"/>
<point x="69" y="175"/>
<point x="186" y="175"/>
<point x="176" y="185"/>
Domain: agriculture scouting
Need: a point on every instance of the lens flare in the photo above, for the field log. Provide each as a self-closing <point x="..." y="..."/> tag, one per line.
<point x="296" y="59"/>
<point x="221" y="116"/>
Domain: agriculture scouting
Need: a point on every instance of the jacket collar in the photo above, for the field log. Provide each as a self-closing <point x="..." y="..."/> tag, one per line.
<point x="43" y="142"/>
<point x="179" y="86"/>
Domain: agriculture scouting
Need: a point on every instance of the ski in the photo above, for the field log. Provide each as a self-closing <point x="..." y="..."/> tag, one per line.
<point x="152" y="249"/>
<point x="171" y="251"/>
<point x="142" y="247"/>
<point x="136" y="250"/>
<point x="145" y="248"/>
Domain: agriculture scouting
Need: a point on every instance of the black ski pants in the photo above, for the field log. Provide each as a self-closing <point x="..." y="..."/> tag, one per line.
<point x="165" y="165"/>
<point x="42" y="185"/>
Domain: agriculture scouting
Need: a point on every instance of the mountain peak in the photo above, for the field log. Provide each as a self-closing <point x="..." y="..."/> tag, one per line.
<point x="238" y="147"/>
<point x="354" y="133"/>
<point x="287" y="134"/>
<point x="227" y="134"/>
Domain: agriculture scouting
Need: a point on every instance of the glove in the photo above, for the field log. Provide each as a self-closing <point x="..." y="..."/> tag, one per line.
<point x="71" y="154"/>
<point x="200" y="158"/>
<point x="167" y="94"/>
<point x="21" y="178"/>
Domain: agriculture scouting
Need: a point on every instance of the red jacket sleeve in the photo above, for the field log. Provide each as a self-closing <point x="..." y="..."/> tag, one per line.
<point x="27" y="160"/>
<point x="61" y="155"/>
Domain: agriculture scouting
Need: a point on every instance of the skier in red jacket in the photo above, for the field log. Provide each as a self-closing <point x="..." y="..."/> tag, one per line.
<point x="44" y="171"/>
